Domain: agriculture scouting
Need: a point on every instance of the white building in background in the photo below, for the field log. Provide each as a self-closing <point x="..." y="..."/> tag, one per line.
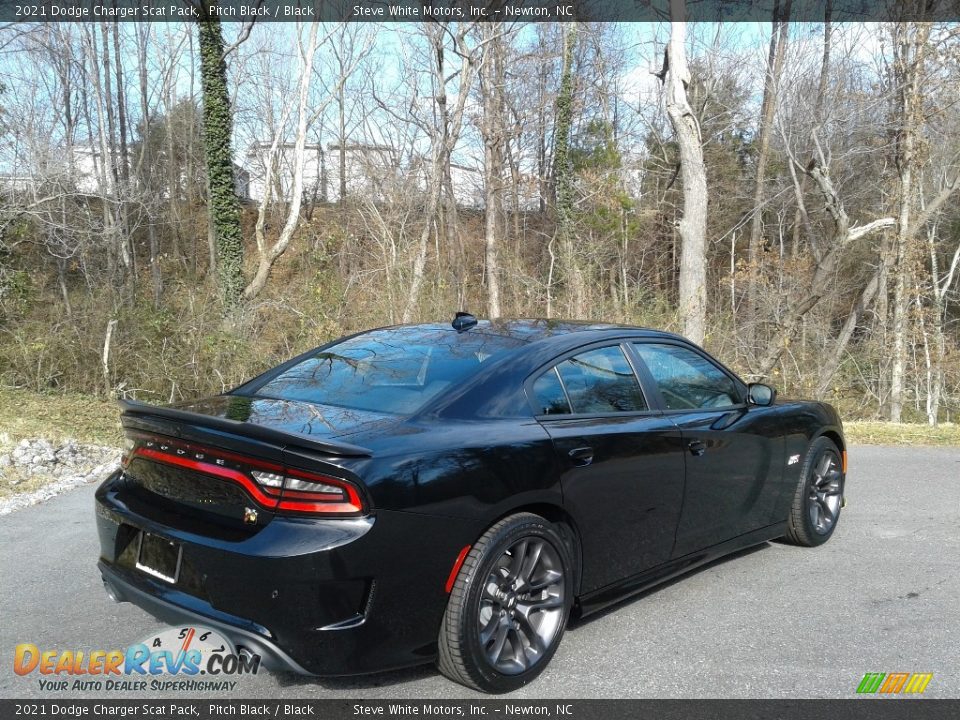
<point x="255" y="164"/>
<point x="468" y="189"/>
<point x="88" y="174"/>
<point x="55" y="170"/>
<point x="467" y="184"/>
<point x="369" y="171"/>
<point x="13" y="184"/>
<point x="372" y="172"/>
<point x="90" y="171"/>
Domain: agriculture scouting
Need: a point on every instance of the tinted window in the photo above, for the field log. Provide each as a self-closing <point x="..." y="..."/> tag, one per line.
<point x="549" y="395"/>
<point x="686" y="379"/>
<point x="395" y="370"/>
<point x="600" y="381"/>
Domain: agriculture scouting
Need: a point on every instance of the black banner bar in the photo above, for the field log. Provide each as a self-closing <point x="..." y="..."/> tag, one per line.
<point x="483" y="709"/>
<point x="468" y="10"/>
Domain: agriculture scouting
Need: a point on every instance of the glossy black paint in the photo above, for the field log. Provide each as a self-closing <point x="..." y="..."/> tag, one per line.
<point x="645" y="495"/>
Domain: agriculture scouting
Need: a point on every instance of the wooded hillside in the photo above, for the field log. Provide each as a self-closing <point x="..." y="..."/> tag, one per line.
<point x="786" y="194"/>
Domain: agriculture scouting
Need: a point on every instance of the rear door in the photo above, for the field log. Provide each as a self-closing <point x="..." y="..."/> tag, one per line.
<point x="622" y="466"/>
<point x="731" y="448"/>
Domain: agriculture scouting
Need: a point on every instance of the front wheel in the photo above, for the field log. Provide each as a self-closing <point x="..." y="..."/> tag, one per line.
<point x="508" y="607"/>
<point x="819" y="497"/>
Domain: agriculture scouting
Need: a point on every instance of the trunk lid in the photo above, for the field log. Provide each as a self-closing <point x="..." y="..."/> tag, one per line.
<point x="227" y="465"/>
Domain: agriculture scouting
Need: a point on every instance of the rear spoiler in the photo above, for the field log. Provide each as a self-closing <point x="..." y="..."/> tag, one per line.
<point x="136" y="409"/>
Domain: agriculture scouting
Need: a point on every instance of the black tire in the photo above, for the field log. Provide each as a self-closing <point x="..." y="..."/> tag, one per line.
<point x="816" y="506"/>
<point x="479" y="602"/>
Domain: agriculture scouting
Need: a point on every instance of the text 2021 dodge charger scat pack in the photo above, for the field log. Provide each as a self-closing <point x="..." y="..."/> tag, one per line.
<point x="454" y="492"/>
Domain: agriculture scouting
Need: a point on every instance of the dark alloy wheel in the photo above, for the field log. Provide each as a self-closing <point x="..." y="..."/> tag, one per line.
<point x="508" y="607"/>
<point x="522" y="605"/>
<point x="824" y="497"/>
<point x="819" y="497"/>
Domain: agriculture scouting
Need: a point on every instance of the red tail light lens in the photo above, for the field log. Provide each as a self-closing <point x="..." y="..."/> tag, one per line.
<point x="275" y="487"/>
<point x="310" y="493"/>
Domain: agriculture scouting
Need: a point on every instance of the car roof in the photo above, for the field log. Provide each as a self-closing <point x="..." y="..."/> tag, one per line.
<point x="537" y="329"/>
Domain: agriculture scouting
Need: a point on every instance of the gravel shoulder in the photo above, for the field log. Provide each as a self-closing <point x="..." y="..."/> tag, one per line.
<point x="35" y="470"/>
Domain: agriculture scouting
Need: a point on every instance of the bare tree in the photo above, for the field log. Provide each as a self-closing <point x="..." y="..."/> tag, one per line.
<point x="493" y="130"/>
<point x="909" y="48"/>
<point x="269" y="255"/>
<point x="779" y="34"/>
<point x="444" y="132"/>
<point x="693" y="225"/>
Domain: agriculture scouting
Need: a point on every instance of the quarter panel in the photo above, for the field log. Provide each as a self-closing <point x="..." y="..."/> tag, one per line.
<point x="466" y="469"/>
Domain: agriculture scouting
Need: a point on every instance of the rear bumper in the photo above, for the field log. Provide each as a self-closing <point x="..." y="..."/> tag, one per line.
<point x="317" y="597"/>
<point x="122" y="589"/>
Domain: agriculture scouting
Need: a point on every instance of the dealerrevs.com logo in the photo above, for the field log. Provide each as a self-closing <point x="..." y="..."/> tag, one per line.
<point x="174" y="659"/>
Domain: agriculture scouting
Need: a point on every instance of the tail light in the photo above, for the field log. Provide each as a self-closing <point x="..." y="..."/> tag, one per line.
<point x="274" y="486"/>
<point x="310" y="493"/>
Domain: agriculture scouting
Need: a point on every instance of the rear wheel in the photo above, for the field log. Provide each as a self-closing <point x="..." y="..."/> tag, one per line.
<point x="508" y="607"/>
<point x="819" y="497"/>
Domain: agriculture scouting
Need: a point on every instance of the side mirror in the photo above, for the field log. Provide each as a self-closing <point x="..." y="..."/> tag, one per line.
<point x="760" y="394"/>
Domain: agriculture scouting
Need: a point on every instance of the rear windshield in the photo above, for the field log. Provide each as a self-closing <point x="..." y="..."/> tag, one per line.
<point x="394" y="371"/>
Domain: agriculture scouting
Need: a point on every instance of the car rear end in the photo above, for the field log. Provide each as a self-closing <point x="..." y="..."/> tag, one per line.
<point x="229" y="528"/>
<point x="249" y="514"/>
<point x="198" y="527"/>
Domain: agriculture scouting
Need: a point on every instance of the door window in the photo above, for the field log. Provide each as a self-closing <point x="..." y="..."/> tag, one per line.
<point x="596" y="381"/>
<point x="687" y="380"/>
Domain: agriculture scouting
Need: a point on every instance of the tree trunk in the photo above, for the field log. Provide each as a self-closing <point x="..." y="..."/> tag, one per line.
<point x="800" y="220"/>
<point x="146" y="174"/>
<point x="123" y="191"/>
<point x="563" y="180"/>
<point x="342" y="150"/>
<point x="803" y="301"/>
<point x="223" y="207"/>
<point x="939" y="310"/>
<point x="778" y="46"/>
<point x="269" y="256"/>
<point x="444" y="137"/>
<point x="692" y="227"/>
<point x="909" y="53"/>
<point x="491" y="77"/>
<point x="105" y="167"/>
<point x="832" y="364"/>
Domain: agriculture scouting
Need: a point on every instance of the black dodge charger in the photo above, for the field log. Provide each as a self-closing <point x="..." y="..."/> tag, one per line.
<point x="454" y="492"/>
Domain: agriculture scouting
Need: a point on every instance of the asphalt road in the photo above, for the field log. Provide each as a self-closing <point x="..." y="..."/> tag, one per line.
<point x="778" y="621"/>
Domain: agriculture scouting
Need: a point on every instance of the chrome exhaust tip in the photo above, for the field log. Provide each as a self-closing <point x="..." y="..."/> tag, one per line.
<point x="113" y="593"/>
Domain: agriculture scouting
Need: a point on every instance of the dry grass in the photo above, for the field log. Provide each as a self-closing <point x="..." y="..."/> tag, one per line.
<point x="25" y="414"/>
<point x="884" y="433"/>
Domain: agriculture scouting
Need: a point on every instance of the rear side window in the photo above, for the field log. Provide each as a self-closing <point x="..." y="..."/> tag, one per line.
<point x="397" y="370"/>
<point x="596" y="381"/>
<point x="687" y="380"/>
<point x="550" y="395"/>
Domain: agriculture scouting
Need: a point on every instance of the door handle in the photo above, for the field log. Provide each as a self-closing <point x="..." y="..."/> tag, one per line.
<point x="581" y="455"/>
<point x="697" y="447"/>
